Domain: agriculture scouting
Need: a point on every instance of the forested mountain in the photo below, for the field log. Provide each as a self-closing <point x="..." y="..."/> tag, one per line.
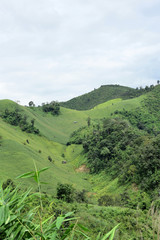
<point x="102" y="164"/>
<point x="101" y="95"/>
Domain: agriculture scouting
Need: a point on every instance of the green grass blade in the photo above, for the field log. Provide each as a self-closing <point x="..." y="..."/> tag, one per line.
<point x="83" y="228"/>
<point x="24" y="197"/>
<point x="54" y="235"/>
<point x="43" y="169"/>
<point x="111" y="233"/>
<point x="26" y="175"/>
<point x="98" y="237"/>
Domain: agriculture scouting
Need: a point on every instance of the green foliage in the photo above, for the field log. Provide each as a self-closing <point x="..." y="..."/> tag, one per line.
<point x="124" y="152"/>
<point x="15" y="118"/>
<point x="146" y="117"/>
<point x="141" y="119"/>
<point x="121" y="151"/>
<point x="106" y="200"/>
<point x="101" y="95"/>
<point x="9" y="183"/>
<point x="80" y="196"/>
<point x="52" y="107"/>
<point x="31" y="104"/>
<point x="65" y="192"/>
<point x="17" y="222"/>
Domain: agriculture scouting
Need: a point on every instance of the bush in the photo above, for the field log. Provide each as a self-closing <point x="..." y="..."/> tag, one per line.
<point x="15" y="118"/>
<point x="65" y="192"/>
<point x="106" y="200"/>
<point x="53" y="108"/>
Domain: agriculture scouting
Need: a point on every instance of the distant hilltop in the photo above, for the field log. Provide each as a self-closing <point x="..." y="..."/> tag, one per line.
<point x="101" y="95"/>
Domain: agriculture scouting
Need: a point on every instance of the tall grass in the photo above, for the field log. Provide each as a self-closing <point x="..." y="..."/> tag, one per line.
<point x="18" y="222"/>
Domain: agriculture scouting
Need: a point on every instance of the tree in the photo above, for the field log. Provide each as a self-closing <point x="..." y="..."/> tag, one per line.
<point x="65" y="192"/>
<point x="53" y="108"/>
<point x="89" y="121"/>
<point x="31" y="104"/>
<point x="158" y="82"/>
<point x="32" y="122"/>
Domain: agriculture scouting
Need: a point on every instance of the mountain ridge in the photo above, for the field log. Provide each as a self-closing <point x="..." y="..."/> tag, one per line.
<point x="102" y="94"/>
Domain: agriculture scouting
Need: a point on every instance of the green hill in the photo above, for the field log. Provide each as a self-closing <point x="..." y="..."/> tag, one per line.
<point x="100" y="95"/>
<point x="19" y="151"/>
<point x="111" y="150"/>
<point x="59" y="128"/>
<point x="16" y="155"/>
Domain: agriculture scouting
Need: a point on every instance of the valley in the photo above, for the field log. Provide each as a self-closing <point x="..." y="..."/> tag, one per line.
<point x="67" y="143"/>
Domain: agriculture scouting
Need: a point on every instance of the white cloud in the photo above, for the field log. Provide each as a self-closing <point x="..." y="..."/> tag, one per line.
<point x="58" y="49"/>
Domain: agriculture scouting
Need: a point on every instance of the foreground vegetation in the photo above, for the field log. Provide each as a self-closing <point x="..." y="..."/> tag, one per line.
<point x="23" y="216"/>
<point x="28" y="215"/>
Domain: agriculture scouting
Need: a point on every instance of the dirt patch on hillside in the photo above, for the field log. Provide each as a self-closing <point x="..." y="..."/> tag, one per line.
<point x="83" y="168"/>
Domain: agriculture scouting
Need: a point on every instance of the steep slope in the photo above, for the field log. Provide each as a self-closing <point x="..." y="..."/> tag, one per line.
<point x="59" y="128"/>
<point x="19" y="151"/>
<point x="17" y="155"/>
<point x="100" y="95"/>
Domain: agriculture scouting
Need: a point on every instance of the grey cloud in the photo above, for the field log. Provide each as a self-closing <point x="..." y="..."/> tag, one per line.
<point x="63" y="48"/>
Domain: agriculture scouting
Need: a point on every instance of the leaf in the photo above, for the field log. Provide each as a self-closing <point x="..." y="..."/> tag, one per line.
<point x="46" y="220"/>
<point x="70" y="219"/>
<point x="83" y="228"/>
<point x="6" y="214"/>
<point x="68" y="231"/>
<point x="26" y="175"/>
<point x="11" y="229"/>
<point x="53" y="237"/>
<point x="1" y="215"/>
<point x="36" y="177"/>
<point x="83" y="234"/>
<point x="16" y="232"/>
<point x="7" y="220"/>
<point x="22" y="233"/>
<point x="59" y="222"/>
<point x="24" y="197"/>
<point x="43" y="169"/>
<point x="98" y="237"/>
<point x="111" y="233"/>
<point x="44" y="183"/>
<point x="68" y="214"/>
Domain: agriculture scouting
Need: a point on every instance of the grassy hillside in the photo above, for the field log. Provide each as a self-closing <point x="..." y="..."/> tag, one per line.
<point x="59" y="128"/>
<point x="17" y="156"/>
<point x="100" y="95"/>
<point x="19" y="150"/>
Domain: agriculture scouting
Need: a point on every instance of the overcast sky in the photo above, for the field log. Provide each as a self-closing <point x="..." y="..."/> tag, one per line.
<point x="59" y="49"/>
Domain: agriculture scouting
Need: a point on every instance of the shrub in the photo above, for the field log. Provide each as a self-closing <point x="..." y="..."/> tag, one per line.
<point x="65" y="192"/>
<point x="106" y="200"/>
